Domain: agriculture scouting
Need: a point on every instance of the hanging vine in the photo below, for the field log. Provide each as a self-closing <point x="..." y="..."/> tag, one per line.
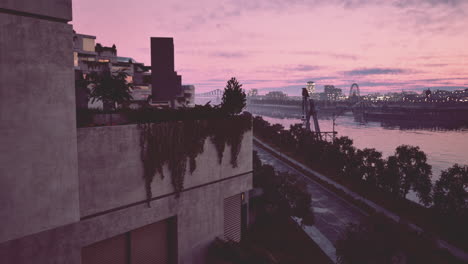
<point x="235" y="136"/>
<point x="177" y="143"/>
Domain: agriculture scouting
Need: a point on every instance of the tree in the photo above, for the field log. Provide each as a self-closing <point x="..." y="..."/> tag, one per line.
<point x="81" y="92"/>
<point x="294" y="199"/>
<point x="110" y="89"/>
<point x="344" y="159"/>
<point x="377" y="239"/>
<point x="234" y="98"/>
<point x="370" y="165"/>
<point x="373" y="240"/>
<point x="389" y="180"/>
<point x="413" y="172"/>
<point x="451" y="192"/>
<point x="283" y="191"/>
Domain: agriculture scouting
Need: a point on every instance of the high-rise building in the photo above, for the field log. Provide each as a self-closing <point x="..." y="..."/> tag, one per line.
<point x="166" y="84"/>
<point x="331" y="93"/>
<point x="277" y="95"/>
<point x="310" y="87"/>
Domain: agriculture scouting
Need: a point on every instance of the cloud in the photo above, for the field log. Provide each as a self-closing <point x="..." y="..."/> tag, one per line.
<point x="256" y="81"/>
<point x="411" y="3"/>
<point x="378" y="84"/>
<point x="281" y="5"/>
<point x="377" y="71"/>
<point x="343" y="56"/>
<point x="289" y="89"/>
<point x="229" y="54"/>
<point x="435" y="65"/>
<point x="302" y="67"/>
<point x="329" y="54"/>
<point x="215" y="80"/>
<point x="441" y="79"/>
<point x="451" y="87"/>
<point x="315" y="79"/>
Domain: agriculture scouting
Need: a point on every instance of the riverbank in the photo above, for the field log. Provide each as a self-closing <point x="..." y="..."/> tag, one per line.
<point x="370" y="199"/>
<point x="444" y="145"/>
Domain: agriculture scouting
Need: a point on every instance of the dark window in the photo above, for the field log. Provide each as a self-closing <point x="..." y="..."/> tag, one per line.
<point x="152" y="244"/>
<point x="109" y="251"/>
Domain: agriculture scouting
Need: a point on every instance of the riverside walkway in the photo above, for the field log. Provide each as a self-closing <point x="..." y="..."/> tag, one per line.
<point x="332" y="213"/>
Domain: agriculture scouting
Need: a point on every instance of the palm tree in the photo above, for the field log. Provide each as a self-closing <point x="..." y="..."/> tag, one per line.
<point x="110" y="89"/>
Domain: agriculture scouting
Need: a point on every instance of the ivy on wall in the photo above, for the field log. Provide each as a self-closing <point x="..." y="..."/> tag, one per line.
<point x="177" y="144"/>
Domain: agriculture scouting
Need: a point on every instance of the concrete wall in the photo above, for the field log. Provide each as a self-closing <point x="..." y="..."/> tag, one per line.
<point x="111" y="172"/>
<point x="199" y="215"/>
<point x="56" y="9"/>
<point x="39" y="162"/>
<point x="38" y="158"/>
<point x="111" y="177"/>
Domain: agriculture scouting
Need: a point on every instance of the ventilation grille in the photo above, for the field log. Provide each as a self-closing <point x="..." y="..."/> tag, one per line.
<point x="232" y="218"/>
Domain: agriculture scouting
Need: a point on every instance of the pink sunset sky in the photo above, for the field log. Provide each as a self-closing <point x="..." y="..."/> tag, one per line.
<point x="383" y="45"/>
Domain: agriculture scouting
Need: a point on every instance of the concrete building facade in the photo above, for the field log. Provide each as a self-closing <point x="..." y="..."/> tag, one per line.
<point x="71" y="195"/>
<point x="89" y="56"/>
<point x="38" y="168"/>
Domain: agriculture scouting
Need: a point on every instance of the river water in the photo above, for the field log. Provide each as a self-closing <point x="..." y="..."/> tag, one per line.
<point x="444" y="145"/>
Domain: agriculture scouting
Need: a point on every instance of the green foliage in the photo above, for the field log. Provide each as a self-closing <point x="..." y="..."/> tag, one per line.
<point x="371" y="241"/>
<point x="285" y="192"/>
<point x="366" y="172"/>
<point x="82" y="84"/>
<point x="238" y="253"/>
<point x="344" y="155"/>
<point x="177" y="144"/>
<point x="380" y="240"/>
<point x="370" y="165"/>
<point x="110" y="88"/>
<point x="389" y="180"/>
<point x="234" y="98"/>
<point x="413" y="172"/>
<point x="404" y="171"/>
<point x="451" y="192"/>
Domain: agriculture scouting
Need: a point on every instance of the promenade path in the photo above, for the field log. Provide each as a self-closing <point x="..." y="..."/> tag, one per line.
<point x="332" y="213"/>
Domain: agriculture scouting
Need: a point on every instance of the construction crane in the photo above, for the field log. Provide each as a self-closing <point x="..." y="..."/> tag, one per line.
<point x="308" y="109"/>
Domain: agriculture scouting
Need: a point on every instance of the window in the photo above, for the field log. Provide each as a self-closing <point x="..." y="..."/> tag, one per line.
<point x="110" y="251"/>
<point x="86" y="58"/>
<point x="75" y="59"/>
<point x="152" y="244"/>
<point x="88" y="44"/>
<point x="129" y="79"/>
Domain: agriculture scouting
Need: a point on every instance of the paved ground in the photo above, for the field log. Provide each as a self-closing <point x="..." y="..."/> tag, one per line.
<point x="332" y="213"/>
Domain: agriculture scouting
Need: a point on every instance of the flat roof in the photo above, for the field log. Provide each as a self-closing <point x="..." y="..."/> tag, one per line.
<point x="85" y="36"/>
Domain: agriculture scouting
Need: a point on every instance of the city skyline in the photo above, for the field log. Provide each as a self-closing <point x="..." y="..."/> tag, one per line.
<point x="385" y="46"/>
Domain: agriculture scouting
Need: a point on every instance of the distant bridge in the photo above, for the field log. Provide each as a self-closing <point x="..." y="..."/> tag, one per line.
<point x="214" y="93"/>
<point x="354" y="90"/>
<point x="213" y="97"/>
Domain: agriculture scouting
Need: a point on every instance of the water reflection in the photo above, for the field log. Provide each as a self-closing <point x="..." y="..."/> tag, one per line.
<point x="444" y="144"/>
<point x="441" y="123"/>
